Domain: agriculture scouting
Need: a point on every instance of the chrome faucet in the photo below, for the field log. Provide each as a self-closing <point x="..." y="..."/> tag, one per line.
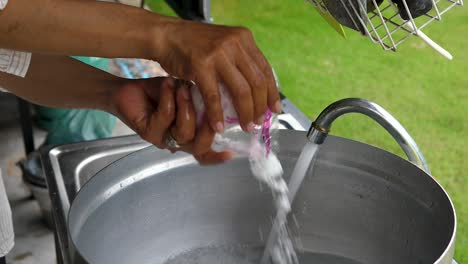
<point x="321" y="127"/>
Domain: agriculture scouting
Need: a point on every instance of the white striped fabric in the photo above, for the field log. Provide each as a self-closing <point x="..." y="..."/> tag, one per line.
<point x="16" y="63"/>
<point x="3" y="4"/>
<point x="13" y="62"/>
<point x="7" y="236"/>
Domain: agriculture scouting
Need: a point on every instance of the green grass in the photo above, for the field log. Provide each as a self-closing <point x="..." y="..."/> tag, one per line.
<point x="425" y="92"/>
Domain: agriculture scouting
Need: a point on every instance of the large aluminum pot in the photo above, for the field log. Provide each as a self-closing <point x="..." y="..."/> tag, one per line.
<point x="359" y="204"/>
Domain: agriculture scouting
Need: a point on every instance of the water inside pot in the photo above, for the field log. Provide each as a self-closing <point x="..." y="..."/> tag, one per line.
<point x="247" y="255"/>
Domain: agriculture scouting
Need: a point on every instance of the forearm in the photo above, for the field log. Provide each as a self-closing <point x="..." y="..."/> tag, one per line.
<point x="59" y="81"/>
<point x="86" y="28"/>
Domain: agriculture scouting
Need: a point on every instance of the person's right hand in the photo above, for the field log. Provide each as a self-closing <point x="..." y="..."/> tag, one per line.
<point x="208" y="54"/>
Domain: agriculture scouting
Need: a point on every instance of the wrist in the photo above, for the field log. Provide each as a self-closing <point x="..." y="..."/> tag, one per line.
<point x="110" y="98"/>
<point x="159" y="36"/>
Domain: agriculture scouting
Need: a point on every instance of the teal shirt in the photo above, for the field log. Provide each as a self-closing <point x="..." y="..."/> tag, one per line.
<point x="74" y="125"/>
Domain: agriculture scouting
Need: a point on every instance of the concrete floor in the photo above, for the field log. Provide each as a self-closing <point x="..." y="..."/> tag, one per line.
<point x="34" y="243"/>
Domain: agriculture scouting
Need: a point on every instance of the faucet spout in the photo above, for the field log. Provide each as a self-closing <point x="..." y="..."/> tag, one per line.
<point x="321" y="126"/>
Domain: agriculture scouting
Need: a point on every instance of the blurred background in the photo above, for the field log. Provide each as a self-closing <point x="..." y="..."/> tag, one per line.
<point x="316" y="66"/>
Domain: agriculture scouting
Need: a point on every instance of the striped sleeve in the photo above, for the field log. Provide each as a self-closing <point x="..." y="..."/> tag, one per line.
<point x="3" y="4"/>
<point x="14" y="62"/>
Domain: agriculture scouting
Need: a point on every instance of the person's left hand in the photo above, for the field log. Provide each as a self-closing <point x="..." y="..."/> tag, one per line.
<point x="161" y="107"/>
<point x="150" y="108"/>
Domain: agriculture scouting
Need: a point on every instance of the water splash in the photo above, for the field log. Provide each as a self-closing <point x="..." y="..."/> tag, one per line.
<point x="279" y="248"/>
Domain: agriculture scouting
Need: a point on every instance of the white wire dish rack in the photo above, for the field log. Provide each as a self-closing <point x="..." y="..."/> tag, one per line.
<point x="389" y="22"/>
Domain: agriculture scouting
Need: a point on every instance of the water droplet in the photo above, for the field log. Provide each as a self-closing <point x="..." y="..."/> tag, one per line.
<point x="295" y="221"/>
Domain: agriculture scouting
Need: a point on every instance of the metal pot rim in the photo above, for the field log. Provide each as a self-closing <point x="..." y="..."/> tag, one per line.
<point x="445" y="257"/>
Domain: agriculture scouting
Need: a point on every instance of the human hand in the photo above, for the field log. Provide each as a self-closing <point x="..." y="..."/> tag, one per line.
<point x="209" y="54"/>
<point x="158" y="107"/>
<point x="149" y="107"/>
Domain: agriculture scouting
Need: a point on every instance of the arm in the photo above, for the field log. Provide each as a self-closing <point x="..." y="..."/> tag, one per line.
<point x="151" y="107"/>
<point x="63" y="82"/>
<point x="204" y="53"/>
<point x="75" y="27"/>
<point x="58" y="81"/>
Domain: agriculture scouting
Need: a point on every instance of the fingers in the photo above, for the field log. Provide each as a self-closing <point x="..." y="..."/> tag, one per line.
<point x="274" y="102"/>
<point x="241" y="94"/>
<point x="222" y="53"/>
<point x="152" y="87"/>
<point x="161" y="119"/>
<point x="258" y="84"/>
<point x="201" y="147"/>
<point x="208" y="85"/>
<point x="212" y="157"/>
<point x="133" y="106"/>
<point x="184" y="128"/>
<point x="203" y="139"/>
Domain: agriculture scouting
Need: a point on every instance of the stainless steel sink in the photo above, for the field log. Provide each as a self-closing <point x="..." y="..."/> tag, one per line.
<point x="68" y="167"/>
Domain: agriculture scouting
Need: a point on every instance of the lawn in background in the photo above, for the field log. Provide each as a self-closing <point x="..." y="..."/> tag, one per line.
<point x="424" y="91"/>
